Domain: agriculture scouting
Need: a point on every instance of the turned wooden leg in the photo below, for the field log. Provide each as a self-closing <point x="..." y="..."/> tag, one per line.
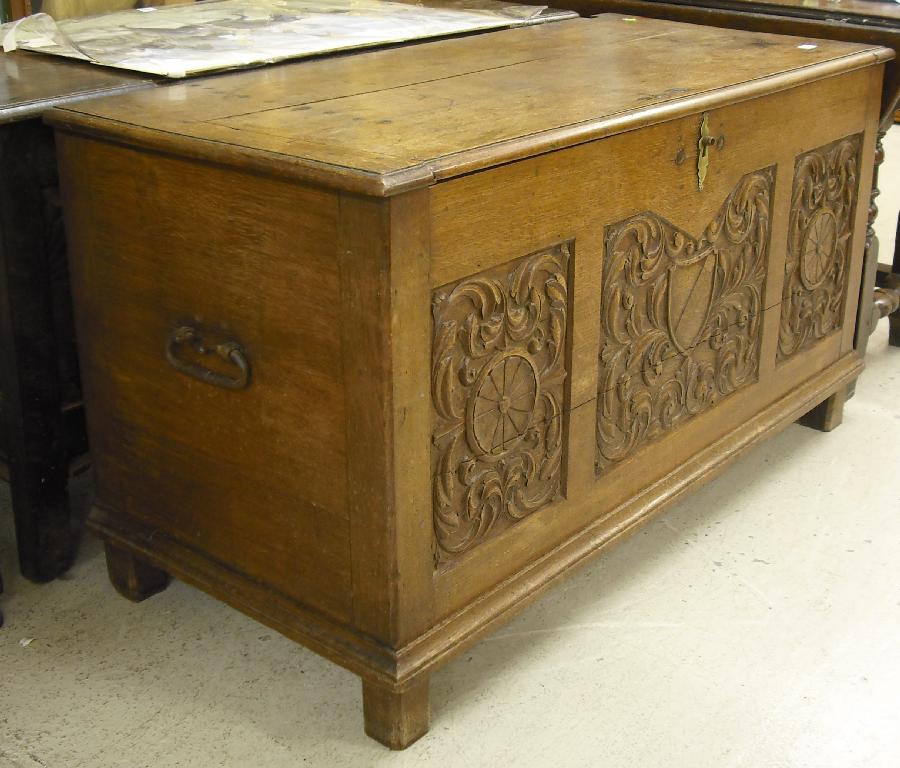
<point x="396" y="719"/>
<point x="887" y="297"/>
<point x="828" y="414"/>
<point x="868" y="312"/>
<point x="894" y="336"/>
<point x="133" y="577"/>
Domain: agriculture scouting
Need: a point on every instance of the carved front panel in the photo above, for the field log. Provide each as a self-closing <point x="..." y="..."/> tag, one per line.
<point x="680" y="319"/>
<point x="823" y="202"/>
<point x="498" y="391"/>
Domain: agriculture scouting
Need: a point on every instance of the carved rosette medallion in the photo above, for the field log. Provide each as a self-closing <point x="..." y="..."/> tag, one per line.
<point x="498" y="395"/>
<point x="823" y="204"/>
<point x="680" y="319"/>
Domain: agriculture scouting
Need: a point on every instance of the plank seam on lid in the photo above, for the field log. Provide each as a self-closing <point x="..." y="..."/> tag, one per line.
<point x="215" y="120"/>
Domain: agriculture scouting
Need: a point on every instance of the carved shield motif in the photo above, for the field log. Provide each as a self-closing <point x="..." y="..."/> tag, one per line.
<point x="680" y="318"/>
<point x="689" y="296"/>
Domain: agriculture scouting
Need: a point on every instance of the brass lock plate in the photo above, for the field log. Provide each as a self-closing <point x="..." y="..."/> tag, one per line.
<point x="706" y="142"/>
<point x="703" y="146"/>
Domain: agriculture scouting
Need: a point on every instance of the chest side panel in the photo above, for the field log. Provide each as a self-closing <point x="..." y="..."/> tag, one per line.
<point x="207" y="307"/>
<point x="674" y="298"/>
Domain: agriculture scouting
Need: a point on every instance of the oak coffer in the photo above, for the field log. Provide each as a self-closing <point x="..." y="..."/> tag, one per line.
<point x="376" y="348"/>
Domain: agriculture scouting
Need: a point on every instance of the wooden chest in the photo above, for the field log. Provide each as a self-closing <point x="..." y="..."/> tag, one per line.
<point x="377" y="348"/>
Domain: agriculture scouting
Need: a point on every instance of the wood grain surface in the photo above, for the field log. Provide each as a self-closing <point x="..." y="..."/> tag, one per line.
<point x="768" y="19"/>
<point x="391" y="120"/>
<point x="195" y="268"/>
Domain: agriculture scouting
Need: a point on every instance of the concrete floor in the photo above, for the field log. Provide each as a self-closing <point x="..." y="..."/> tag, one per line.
<point x="756" y="625"/>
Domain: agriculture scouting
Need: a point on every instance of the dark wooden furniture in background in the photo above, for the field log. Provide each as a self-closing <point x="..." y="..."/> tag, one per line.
<point x="20" y="8"/>
<point x="41" y="403"/>
<point x="376" y="348"/>
<point x="41" y="409"/>
<point x="861" y="21"/>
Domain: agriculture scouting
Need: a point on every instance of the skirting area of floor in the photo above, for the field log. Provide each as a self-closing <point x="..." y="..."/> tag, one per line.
<point x="755" y="625"/>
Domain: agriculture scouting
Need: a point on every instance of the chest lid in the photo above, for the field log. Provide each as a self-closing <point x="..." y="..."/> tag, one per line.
<point x="387" y="121"/>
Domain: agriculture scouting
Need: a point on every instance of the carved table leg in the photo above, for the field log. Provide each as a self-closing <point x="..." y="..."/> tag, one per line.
<point x="828" y="414"/>
<point x="396" y="719"/>
<point x="866" y="318"/>
<point x="133" y="577"/>
<point x="894" y="337"/>
<point x="887" y="297"/>
<point x="873" y="207"/>
<point x="869" y="311"/>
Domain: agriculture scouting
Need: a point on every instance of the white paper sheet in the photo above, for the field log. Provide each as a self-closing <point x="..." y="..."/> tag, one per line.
<point x="182" y="40"/>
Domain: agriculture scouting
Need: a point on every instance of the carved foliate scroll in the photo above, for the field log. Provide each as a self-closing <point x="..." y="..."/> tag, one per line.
<point x="680" y="318"/>
<point x="498" y="394"/>
<point x="823" y="204"/>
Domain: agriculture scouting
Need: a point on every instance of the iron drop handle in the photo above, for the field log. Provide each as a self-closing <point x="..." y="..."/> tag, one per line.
<point x="231" y="351"/>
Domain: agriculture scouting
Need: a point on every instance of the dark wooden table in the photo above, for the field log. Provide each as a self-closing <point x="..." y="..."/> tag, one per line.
<point x="858" y="21"/>
<point x="43" y="426"/>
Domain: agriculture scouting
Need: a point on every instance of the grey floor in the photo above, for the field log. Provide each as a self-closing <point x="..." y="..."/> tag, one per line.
<point x="756" y="625"/>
